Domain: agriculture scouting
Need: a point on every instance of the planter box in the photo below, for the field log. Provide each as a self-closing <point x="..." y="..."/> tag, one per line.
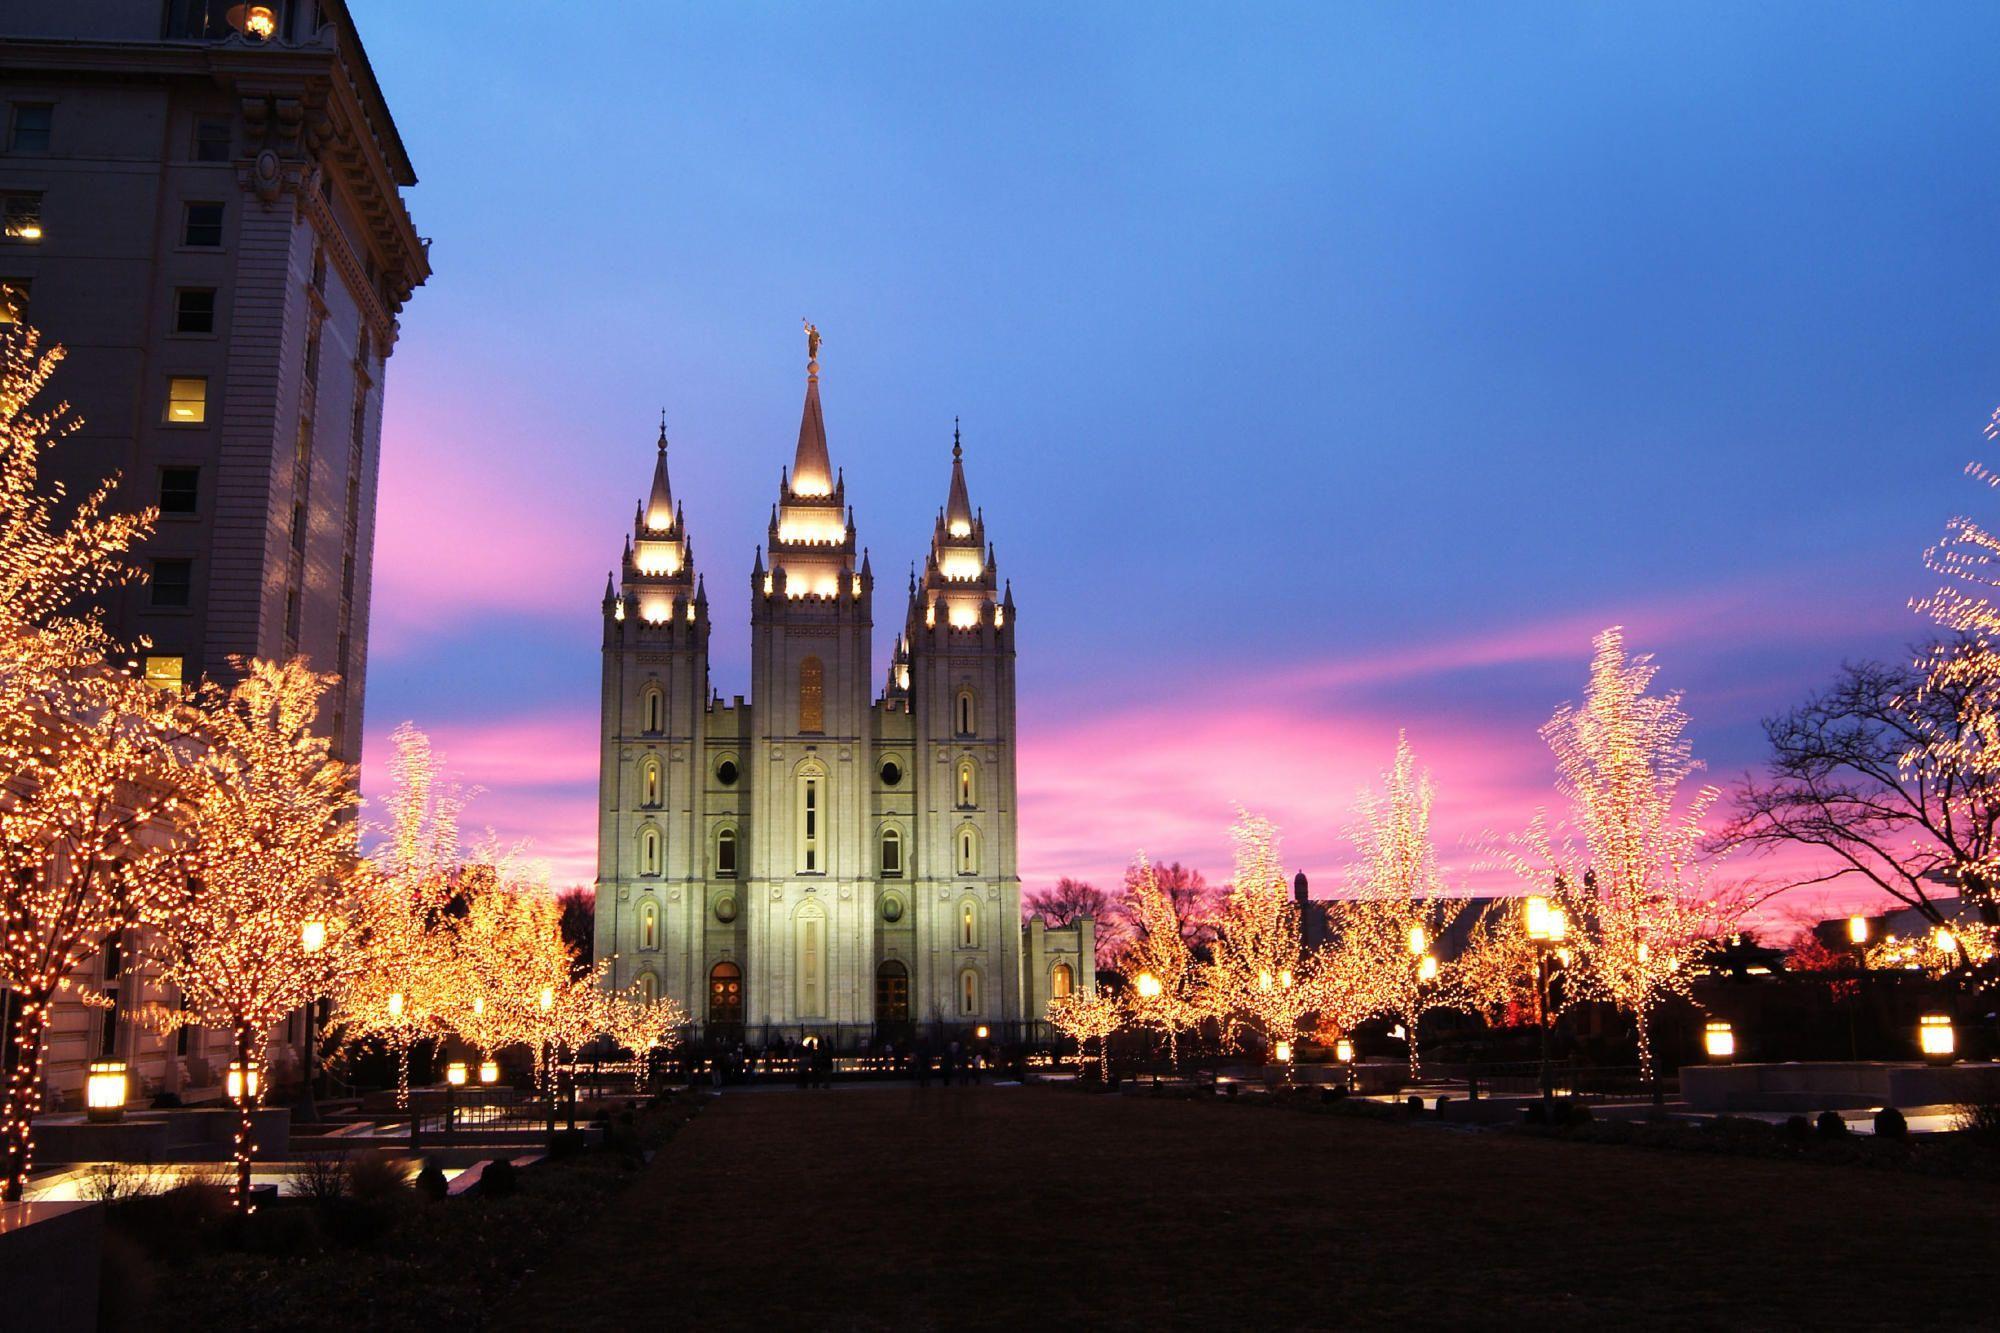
<point x="49" y="1256"/>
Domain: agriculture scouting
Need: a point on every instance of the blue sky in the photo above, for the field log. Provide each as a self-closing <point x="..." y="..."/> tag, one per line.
<point x="1305" y="354"/>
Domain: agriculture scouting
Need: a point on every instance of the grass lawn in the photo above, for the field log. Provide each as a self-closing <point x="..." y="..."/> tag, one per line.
<point x="879" y="1207"/>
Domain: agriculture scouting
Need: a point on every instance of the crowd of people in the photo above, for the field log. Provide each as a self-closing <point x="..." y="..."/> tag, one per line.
<point x="811" y="1060"/>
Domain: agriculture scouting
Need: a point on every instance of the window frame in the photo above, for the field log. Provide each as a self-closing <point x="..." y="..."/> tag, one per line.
<point x="161" y="492"/>
<point x="188" y="206"/>
<point x="14" y="127"/>
<point x="174" y="383"/>
<point x="181" y="312"/>
<point x="27" y="206"/>
<point x="181" y="563"/>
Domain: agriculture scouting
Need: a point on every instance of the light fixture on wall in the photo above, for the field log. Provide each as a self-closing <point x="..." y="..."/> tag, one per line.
<point x="259" y="22"/>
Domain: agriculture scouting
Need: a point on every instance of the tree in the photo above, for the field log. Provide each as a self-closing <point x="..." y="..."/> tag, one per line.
<point x="1875" y="773"/>
<point x="578" y="906"/>
<point x="1259" y="974"/>
<point x="1069" y="901"/>
<point x="261" y="919"/>
<point x="506" y="944"/>
<point x="87" y="768"/>
<point x="1390" y="928"/>
<point x="1081" y="1016"/>
<point x="1635" y="890"/>
<point x="1161" y="982"/>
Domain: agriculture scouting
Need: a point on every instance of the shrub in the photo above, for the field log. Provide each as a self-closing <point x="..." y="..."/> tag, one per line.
<point x="378" y="1177"/>
<point x="1830" y="1125"/>
<point x="318" y="1177"/>
<point x="280" y="1232"/>
<point x="431" y="1182"/>
<point x="499" y="1179"/>
<point x="1978" y="1118"/>
<point x="175" y="1223"/>
<point x="1332" y="1094"/>
<point x="1573" y="1114"/>
<point x="110" y="1183"/>
<point x="1415" y="1103"/>
<point x="1797" y="1128"/>
<point x="1441" y="1104"/>
<point x="1890" y="1124"/>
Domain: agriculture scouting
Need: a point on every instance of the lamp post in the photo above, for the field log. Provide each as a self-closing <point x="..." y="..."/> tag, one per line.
<point x="104" y="1091"/>
<point x="312" y="938"/>
<point x="1546" y="927"/>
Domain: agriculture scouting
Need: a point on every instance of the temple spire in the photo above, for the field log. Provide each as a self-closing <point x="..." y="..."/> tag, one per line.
<point x="812" y="471"/>
<point x="660" y="503"/>
<point x="958" y="508"/>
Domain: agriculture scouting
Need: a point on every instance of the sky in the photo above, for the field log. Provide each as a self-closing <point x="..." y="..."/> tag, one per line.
<point x="1325" y="371"/>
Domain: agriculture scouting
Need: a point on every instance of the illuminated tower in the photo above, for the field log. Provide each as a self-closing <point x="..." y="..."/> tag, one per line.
<point x="655" y="714"/>
<point x="810" y="911"/>
<point x="959" y="641"/>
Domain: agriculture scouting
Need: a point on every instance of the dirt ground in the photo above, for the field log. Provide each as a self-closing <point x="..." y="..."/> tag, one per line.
<point x="946" y="1208"/>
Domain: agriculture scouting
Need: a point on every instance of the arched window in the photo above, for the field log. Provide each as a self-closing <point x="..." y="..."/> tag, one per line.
<point x="649" y="988"/>
<point x="968" y="992"/>
<point x="725" y="854"/>
<point x="812" y="695"/>
<point x="652" y="709"/>
<point x="892" y="993"/>
<point x="965" y="714"/>
<point x="968" y="924"/>
<point x="892" y="854"/>
<point x="649" y="851"/>
<point x="725" y="993"/>
<point x="812" y="819"/>
<point x="968" y="850"/>
<point x="649" y="783"/>
<point x="1062" y="981"/>
<point x="968" y="783"/>
<point x="811" y="937"/>
<point x="649" y="926"/>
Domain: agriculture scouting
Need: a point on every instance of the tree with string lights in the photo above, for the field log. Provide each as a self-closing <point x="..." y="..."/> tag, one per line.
<point x="1083" y="1017"/>
<point x="1259" y="975"/>
<point x="1389" y="930"/>
<point x="87" y="765"/>
<point x="1162" y="990"/>
<point x="262" y="917"/>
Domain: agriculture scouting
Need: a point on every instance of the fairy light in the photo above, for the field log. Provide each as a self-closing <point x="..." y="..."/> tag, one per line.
<point x="1252" y="979"/>
<point x="1085" y="1017"/>
<point x="1158" y="967"/>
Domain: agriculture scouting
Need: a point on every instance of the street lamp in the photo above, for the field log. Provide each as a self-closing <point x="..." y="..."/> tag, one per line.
<point x="1718" y="1039"/>
<point x="312" y="938"/>
<point x="1857" y="930"/>
<point x="242" y="1084"/>
<point x="1427" y="968"/>
<point x="489" y="1071"/>
<point x="104" y="1091"/>
<point x="395" y="1004"/>
<point x="454" y="1073"/>
<point x="1937" y="1039"/>
<point x="1149" y="986"/>
<point x="1547" y="925"/>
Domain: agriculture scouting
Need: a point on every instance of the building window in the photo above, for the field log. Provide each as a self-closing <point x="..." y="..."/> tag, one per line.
<point x="1062" y="982"/>
<point x="173" y="582"/>
<point x="114" y="964"/>
<point x="968" y="850"/>
<point x="892" y="854"/>
<point x="968" y="784"/>
<point x="180" y="490"/>
<point x="649" y="988"/>
<point x="187" y="400"/>
<point x="968" y="992"/>
<point x="892" y="993"/>
<point x="214" y="138"/>
<point x="649" y="926"/>
<point x="649" y="783"/>
<point x="968" y="924"/>
<point x="14" y="300"/>
<point x="725" y="772"/>
<point x="32" y="123"/>
<point x="164" y="672"/>
<point x="812" y="695"/>
<point x="725" y="854"/>
<point x="652" y="708"/>
<point x="812" y="961"/>
<point x="22" y="216"/>
<point x="892" y="772"/>
<point x="966" y="713"/>
<point x="201" y="226"/>
<point x="725" y="994"/>
<point x="649" y="851"/>
<point x="194" y="310"/>
<point x="811" y="818"/>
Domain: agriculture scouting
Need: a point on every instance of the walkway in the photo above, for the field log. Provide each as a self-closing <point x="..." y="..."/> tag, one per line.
<point x="893" y="1207"/>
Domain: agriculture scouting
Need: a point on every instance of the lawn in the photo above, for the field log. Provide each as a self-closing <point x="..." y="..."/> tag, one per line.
<point x="879" y="1207"/>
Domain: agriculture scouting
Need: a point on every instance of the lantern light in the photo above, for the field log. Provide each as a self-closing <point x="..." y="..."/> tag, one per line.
<point x="478" y="1005"/>
<point x="1546" y="921"/>
<point x="255" y="21"/>
<point x="1283" y="1051"/>
<point x="980" y="1032"/>
<point x="1857" y="929"/>
<point x="489" y="1071"/>
<point x="238" y="1086"/>
<point x="312" y="936"/>
<point x="1419" y="940"/>
<point x="1343" y="1051"/>
<point x="454" y="1073"/>
<point x="1149" y="986"/>
<point x="1263" y="981"/>
<point x="1937" y="1039"/>
<point x="104" y="1090"/>
<point x="1427" y="968"/>
<point x="1719" y="1040"/>
<point x="548" y="999"/>
<point x="395" y="1004"/>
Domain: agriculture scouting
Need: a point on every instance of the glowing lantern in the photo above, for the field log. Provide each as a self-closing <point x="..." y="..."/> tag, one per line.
<point x="1283" y="1051"/>
<point x="1419" y="940"/>
<point x="395" y="1004"/>
<point x="1343" y="1051"/>
<point x="489" y="1071"/>
<point x="241" y="1086"/>
<point x="1945" y="940"/>
<point x="548" y="999"/>
<point x="1285" y="978"/>
<point x="1857" y="929"/>
<point x="258" y="21"/>
<point x="104" y="1090"/>
<point x="312" y="936"/>
<point x="980" y="1032"/>
<point x="454" y="1073"/>
<point x="1937" y="1039"/>
<point x="478" y="1005"/>
<point x="1719" y="1040"/>
<point x="1263" y="981"/>
<point x="1149" y="986"/>
<point x="1427" y="969"/>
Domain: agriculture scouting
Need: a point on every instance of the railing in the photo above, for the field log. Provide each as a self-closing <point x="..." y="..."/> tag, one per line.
<point x="1523" y="1078"/>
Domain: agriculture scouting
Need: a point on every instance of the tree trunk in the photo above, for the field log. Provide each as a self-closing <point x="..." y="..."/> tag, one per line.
<point x="1416" y="1056"/>
<point x="24" y="1093"/>
<point x="246" y="1123"/>
<point x="1640" y="1017"/>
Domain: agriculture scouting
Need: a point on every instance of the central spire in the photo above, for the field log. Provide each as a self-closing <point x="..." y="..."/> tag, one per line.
<point x="812" y="472"/>
<point x="957" y="506"/>
<point x="660" y="504"/>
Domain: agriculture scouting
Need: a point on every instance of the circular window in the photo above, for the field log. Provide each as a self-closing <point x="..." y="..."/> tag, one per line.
<point x="892" y="908"/>
<point x="725" y="772"/>
<point x="892" y="772"/>
<point x="725" y="907"/>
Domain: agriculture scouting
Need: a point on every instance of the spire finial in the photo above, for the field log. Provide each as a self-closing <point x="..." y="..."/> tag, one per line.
<point x="956" y="451"/>
<point x="663" y="430"/>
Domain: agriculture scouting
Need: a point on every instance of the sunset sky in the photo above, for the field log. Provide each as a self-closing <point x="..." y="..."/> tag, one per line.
<point x="1323" y="372"/>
